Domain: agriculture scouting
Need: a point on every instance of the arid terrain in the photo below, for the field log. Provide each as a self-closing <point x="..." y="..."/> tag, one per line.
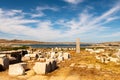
<point x="81" y="66"/>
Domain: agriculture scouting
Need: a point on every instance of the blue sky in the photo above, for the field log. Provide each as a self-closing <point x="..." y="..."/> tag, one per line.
<point x="60" y="20"/>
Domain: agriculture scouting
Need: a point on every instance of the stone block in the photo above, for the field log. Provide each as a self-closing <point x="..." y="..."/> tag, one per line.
<point x="4" y="61"/>
<point x="66" y="55"/>
<point x="33" y="56"/>
<point x="24" y="65"/>
<point x="54" y="64"/>
<point x="2" y="55"/>
<point x="26" y="58"/>
<point x="60" y="58"/>
<point x="49" y="66"/>
<point x="16" y="69"/>
<point x="41" y="59"/>
<point x="40" y="68"/>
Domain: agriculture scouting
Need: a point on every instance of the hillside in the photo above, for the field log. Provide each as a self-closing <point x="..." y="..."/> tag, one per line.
<point x="15" y="41"/>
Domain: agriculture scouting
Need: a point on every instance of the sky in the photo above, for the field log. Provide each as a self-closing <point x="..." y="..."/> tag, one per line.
<point x="60" y="20"/>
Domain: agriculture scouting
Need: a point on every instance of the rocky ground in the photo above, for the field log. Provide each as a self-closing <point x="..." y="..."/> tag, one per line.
<point x="81" y="66"/>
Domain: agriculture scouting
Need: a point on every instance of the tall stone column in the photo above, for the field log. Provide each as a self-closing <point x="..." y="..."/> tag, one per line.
<point x="77" y="45"/>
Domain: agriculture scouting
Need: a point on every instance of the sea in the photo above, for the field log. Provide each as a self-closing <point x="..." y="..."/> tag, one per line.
<point x="56" y="45"/>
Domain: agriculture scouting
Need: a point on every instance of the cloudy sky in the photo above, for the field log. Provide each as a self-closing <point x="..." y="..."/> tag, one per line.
<point x="60" y="20"/>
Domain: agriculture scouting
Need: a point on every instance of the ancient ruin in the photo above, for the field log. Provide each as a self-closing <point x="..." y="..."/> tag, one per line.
<point x="77" y="45"/>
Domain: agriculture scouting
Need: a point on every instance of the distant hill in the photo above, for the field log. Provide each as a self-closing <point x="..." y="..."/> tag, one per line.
<point x="107" y="44"/>
<point x="16" y="41"/>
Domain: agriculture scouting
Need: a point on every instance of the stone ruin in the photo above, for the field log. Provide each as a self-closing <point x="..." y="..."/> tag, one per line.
<point x="77" y="45"/>
<point x="104" y="56"/>
<point x="44" y="62"/>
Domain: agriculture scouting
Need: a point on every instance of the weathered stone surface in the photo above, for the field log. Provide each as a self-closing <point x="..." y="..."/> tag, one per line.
<point x="16" y="69"/>
<point x="26" y="58"/>
<point x="4" y="61"/>
<point x="54" y="64"/>
<point x="52" y="56"/>
<point x="60" y="54"/>
<point x="12" y="60"/>
<point x="49" y="66"/>
<point x="17" y="56"/>
<point x="66" y="55"/>
<point x="24" y="65"/>
<point x="41" y="59"/>
<point x="2" y="55"/>
<point x="33" y="56"/>
<point x="40" y="67"/>
<point x="60" y="58"/>
<point x="78" y="45"/>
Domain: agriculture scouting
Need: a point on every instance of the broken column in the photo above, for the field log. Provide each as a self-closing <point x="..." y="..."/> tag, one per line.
<point x="77" y="45"/>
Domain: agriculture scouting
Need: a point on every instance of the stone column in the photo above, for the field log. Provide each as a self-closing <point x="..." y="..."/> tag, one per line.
<point x="77" y="45"/>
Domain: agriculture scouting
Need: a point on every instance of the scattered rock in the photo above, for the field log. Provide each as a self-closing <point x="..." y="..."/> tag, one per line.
<point x="98" y="67"/>
<point x="90" y="66"/>
<point x="72" y="65"/>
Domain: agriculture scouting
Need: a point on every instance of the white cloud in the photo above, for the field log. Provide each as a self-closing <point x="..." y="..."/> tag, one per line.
<point x="89" y="23"/>
<point x="14" y="23"/>
<point x="39" y="8"/>
<point x="106" y="15"/>
<point x="74" y="1"/>
<point x="39" y="11"/>
<point x="40" y="14"/>
<point x="112" y="19"/>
